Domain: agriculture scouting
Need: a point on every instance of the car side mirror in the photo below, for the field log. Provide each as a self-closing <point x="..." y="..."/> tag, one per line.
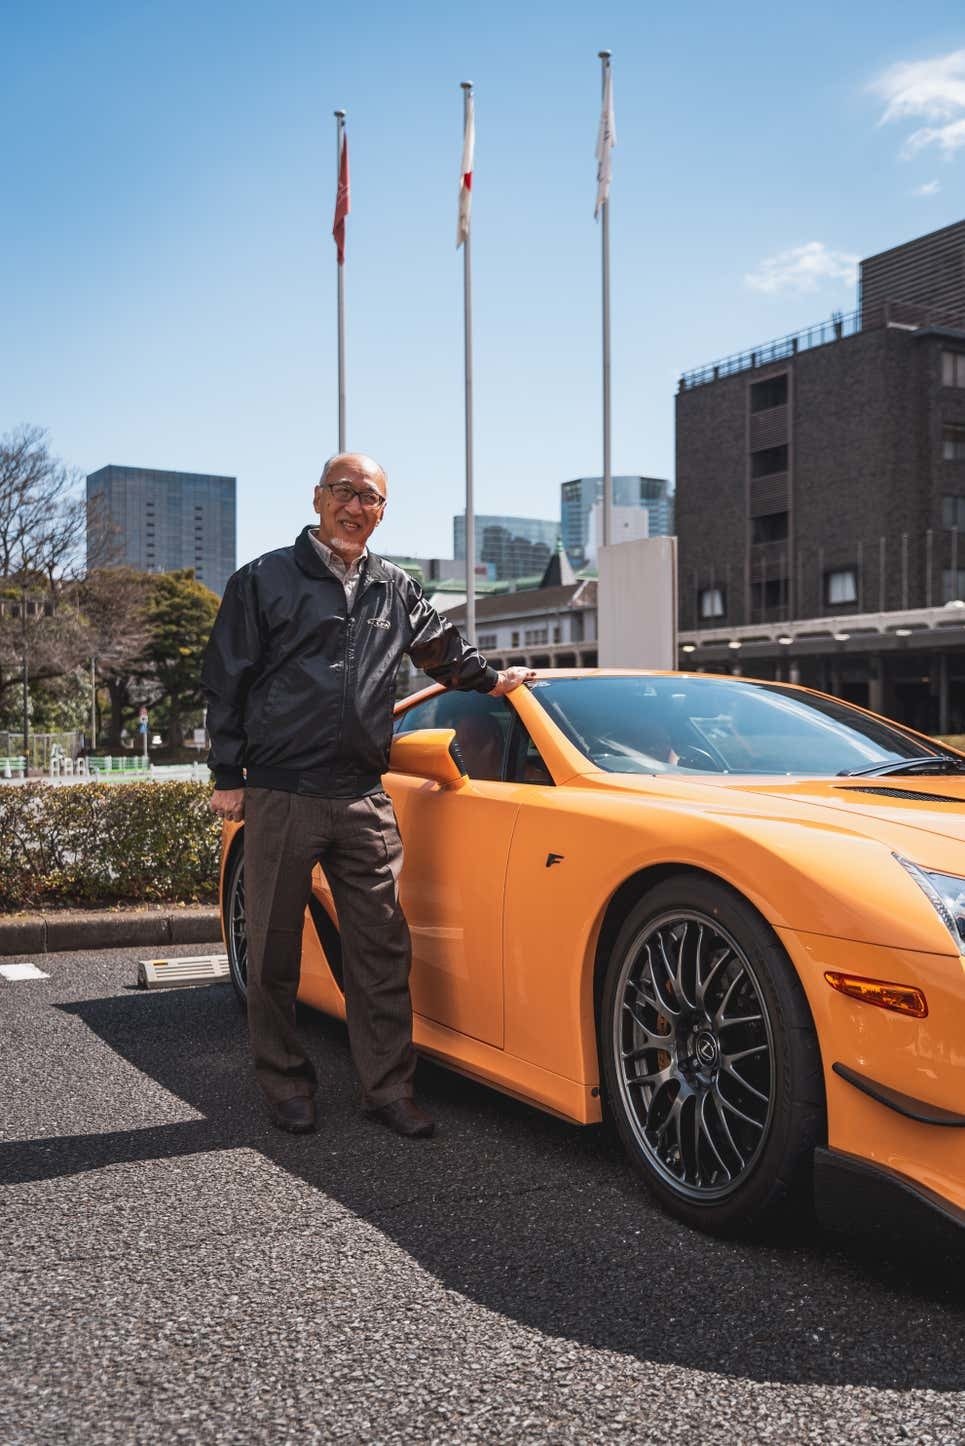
<point x="429" y="753"/>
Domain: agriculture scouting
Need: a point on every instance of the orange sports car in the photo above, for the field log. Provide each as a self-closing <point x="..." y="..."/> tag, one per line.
<point x="730" y="913"/>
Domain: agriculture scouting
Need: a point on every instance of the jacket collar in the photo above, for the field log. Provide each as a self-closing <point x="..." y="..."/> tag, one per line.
<point x="309" y="561"/>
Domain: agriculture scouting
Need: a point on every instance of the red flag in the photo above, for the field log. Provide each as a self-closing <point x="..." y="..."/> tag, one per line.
<point x="342" y="203"/>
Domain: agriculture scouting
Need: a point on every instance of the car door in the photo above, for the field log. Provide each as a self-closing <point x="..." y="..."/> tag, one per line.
<point x="453" y="879"/>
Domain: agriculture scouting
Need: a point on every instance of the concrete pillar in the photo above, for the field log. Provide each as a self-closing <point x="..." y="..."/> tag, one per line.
<point x="876" y="692"/>
<point x="943" y="723"/>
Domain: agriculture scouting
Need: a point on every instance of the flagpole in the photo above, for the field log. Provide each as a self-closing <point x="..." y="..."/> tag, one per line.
<point x="605" y="240"/>
<point x="340" y="269"/>
<point x="467" y="312"/>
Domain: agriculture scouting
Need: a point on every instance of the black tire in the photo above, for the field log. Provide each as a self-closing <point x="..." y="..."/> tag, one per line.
<point x="233" y="921"/>
<point x="709" y="1058"/>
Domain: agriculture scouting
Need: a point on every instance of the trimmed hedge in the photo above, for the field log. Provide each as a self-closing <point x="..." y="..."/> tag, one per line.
<point x="107" y="843"/>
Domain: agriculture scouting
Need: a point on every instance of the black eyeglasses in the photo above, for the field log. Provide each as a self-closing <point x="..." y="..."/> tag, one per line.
<point x="370" y="500"/>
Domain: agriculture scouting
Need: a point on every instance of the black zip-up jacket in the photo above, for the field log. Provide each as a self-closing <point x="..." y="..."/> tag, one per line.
<point x="300" y="691"/>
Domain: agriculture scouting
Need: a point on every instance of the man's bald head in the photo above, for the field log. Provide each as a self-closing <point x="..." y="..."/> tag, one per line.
<point x="374" y="470"/>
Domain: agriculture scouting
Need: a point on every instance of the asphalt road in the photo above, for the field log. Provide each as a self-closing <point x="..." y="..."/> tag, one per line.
<point x="173" y="1269"/>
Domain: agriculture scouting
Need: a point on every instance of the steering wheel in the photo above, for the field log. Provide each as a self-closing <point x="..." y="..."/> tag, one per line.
<point x="699" y="758"/>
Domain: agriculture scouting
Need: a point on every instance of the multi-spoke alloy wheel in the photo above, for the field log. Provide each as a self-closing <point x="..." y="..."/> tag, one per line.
<point x="234" y="922"/>
<point x="695" y="1054"/>
<point x="709" y="1056"/>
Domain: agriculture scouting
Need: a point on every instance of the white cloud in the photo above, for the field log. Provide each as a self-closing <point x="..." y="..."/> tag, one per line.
<point x="930" y="188"/>
<point x="930" y="90"/>
<point x="948" y="138"/>
<point x="803" y="268"/>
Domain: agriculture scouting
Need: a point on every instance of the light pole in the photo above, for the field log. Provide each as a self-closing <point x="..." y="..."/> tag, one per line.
<point x="25" y="679"/>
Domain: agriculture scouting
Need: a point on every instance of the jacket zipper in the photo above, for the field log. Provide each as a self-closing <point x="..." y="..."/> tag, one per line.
<point x="348" y="660"/>
<point x="346" y="664"/>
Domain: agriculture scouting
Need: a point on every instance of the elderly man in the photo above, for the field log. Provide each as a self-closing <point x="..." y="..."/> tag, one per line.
<point x="299" y="677"/>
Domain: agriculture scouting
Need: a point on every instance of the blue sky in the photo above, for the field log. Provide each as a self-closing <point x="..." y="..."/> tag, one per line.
<point x="168" y="268"/>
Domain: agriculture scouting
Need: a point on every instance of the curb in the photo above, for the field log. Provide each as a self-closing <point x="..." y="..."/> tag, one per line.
<point x="96" y="929"/>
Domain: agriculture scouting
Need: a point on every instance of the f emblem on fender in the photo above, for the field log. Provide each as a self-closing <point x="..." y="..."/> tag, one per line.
<point x="552" y="859"/>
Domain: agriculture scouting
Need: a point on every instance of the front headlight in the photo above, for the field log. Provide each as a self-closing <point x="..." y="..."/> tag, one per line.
<point x="947" y="893"/>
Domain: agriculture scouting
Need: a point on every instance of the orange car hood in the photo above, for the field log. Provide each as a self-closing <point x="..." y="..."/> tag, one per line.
<point x="880" y="815"/>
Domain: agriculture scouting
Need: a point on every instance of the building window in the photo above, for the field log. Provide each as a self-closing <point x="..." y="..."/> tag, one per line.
<point x="953" y="584"/>
<point x="769" y="393"/>
<point x="768" y="595"/>
<point x="515" y="641"/>
<point x="557" y="634"/>
<point x="769" y="461"/>
<point x="953" y="511"/>
<point x="772" y="528"/>
<point x="841" y="587"/>
<point x="710" y="602"/>
<point x="953" y="369"/>
<point x="536" y="635"/>
<point x="486" y="640"/>
<point x="953" y="444"/>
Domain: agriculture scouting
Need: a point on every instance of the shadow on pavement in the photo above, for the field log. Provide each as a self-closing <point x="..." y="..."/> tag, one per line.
<point x="538" y="1220"/>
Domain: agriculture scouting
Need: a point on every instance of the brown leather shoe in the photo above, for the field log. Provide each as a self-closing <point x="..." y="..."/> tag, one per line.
<point x="296" y="1115"/>
<point x="405" y="1118"/>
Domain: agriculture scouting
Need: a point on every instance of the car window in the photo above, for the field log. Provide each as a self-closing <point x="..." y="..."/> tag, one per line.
<point x="482" y="727"/>
<point x="524" y="762"/>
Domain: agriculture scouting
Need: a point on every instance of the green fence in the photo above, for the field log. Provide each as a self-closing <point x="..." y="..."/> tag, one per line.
<point x="109" y="764"/>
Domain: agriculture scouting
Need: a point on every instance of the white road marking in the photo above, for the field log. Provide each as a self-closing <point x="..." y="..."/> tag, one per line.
<point x="22" y="971"/>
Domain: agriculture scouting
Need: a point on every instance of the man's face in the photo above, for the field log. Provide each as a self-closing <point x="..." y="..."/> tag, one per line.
<point x="346" y="526"/>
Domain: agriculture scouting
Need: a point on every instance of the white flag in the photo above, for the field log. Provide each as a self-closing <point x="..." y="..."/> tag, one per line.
<point x="605" y="142"/>
<point x="465" y="173"/>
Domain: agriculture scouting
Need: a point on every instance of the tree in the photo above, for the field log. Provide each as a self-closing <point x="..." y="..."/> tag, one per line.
<point x="115" y="602"/>
<point x="42" y="635"/>
<point x="42" y="516"/>
<point x="180" y="615"/>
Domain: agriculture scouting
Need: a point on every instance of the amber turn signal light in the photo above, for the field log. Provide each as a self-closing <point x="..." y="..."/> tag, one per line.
<point x="902" y="998"/>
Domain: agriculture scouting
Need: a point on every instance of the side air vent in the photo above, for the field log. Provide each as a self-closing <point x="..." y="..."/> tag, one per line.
<point x="900" y="793"/>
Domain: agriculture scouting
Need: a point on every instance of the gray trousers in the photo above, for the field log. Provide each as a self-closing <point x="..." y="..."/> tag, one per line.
<point x="357" y="842"/>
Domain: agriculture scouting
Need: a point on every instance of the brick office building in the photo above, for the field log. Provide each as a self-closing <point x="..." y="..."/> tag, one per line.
<point x="821" y="493"/>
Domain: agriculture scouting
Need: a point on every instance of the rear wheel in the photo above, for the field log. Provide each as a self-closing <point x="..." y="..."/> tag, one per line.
<point x="709" y="1057"/>
<point x="235" y="931"/>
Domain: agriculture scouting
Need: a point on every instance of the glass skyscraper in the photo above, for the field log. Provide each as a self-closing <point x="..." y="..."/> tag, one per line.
<point x="161" y="521"/>
<point x="516" y="546"/>
<point x="578" y="496"/>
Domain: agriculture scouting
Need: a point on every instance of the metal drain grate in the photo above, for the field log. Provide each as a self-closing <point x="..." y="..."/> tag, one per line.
<point x="178" y="973"/>
<point x="899" y="793"/>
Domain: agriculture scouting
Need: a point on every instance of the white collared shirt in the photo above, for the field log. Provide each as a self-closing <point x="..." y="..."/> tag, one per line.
<point x="348" y="573"/>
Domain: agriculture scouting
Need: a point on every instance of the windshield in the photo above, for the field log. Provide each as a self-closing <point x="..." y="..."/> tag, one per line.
<point x="717" y="725"/>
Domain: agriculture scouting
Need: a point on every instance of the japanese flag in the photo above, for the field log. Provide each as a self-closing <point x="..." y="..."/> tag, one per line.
<point x="605" y="141"/>
<point x="465" y="173"/>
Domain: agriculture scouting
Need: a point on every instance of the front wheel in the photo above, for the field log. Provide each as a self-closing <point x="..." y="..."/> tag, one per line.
<point x="709" y="1056"/>
<point x="233" y="917"/>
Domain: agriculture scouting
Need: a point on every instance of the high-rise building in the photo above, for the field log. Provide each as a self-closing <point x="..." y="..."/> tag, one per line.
<point x="516" y="546"/>
<point x="821" y="492"/>
<point x="578" y="496"/>
<point x="161" y="521"/>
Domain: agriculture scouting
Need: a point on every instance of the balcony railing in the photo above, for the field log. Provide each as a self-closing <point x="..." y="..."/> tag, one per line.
<point x="821" y="334"/>
<point x="839" y="324"/>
